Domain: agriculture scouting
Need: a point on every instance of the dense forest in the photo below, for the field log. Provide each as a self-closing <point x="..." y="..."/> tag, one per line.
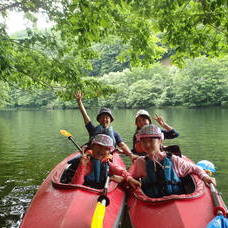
<point x="202" y="82"/>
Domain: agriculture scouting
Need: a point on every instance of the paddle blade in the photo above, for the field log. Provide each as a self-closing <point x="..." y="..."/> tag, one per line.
<point x="65" y="133"/>
<point x="98" y="216"/>
<point x="218" y="222"/>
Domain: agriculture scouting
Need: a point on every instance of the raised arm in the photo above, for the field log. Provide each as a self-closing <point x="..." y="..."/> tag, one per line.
<point x="78" y="95"/>
<point x="162" y="123"/>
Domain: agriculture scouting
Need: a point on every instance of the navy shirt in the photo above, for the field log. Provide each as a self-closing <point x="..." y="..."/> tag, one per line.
<point x="170" y="134"/>
<point x="91" y="129"/>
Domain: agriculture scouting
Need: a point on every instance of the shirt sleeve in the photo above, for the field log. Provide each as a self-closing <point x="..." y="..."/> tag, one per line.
<point x="139" y="168"/>
<point x="170" y="134"/>
<point x="117" y="138"/>
<point x="90" y="128"/>
<point x="117" y="170"/>
<point x="183" y="167"/>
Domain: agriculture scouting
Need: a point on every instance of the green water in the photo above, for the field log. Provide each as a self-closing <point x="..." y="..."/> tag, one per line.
<point x="30" y="146"/>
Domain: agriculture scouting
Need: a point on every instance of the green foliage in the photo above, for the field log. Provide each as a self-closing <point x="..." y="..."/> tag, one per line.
<point x="203" y="82"/>
<point x="191" y="28"/>
<point x="61" y="59"/>
<point x="28" y="67"/>
<point x="30" y="99"/>
<point x="108" y="59"/>
<point x="4" y="94"/>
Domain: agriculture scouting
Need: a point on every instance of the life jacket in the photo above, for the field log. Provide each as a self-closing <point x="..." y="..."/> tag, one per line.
<point x="137" y="148"/>
<point x="161" y="180"/>
<point x="102" y="130"/>
<point x="97" y="177"/>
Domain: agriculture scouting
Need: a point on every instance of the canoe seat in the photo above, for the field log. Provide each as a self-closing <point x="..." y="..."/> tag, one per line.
<point x="69" y="171"/>
<point x="68" y="174"/>
<point x="174" y="149"/>
<point x="188" y="183"/>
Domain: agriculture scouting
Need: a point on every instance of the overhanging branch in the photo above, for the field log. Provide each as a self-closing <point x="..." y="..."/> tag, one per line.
<point x="16" y="4"/>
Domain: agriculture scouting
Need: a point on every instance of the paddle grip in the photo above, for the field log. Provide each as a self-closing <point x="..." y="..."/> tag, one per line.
<point x="104" y="200"/>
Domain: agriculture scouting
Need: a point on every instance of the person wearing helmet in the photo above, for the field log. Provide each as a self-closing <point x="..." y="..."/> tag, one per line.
<point x="159" y="171"/>
<point x="143" y="118"/>
<point x="94" y="167"/>
<point x="105" y="119"/>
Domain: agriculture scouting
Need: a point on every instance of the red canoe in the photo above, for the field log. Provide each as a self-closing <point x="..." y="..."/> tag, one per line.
<point x="58" y="205"/>
<point x="192" y="210"/>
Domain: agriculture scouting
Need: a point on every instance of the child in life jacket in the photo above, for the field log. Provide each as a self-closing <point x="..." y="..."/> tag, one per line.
<point x="105" y="119"/>
<point x="94" y="168"/>
<point x="161" y="173"/>
<point x="143" y="118"/>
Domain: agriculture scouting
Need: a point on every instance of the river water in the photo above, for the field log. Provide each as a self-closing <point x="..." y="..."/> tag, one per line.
<point x="30" y="146"/>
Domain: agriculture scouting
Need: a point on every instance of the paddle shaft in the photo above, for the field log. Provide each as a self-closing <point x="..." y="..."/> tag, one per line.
<point x="77" y="146"/>
<point x="106" y="186"/>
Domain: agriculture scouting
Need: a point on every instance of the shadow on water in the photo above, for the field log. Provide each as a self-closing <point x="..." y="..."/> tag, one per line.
<point x="30" y="146"/>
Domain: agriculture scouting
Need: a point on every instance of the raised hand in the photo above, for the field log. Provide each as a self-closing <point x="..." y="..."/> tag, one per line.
<point x="162" y="123"/>
<point x="159" y="120"/>
<point x="78" y="95"/>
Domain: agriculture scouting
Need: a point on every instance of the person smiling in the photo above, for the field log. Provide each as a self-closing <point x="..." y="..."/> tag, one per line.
<point x="159" y="171"/>
<point x="142" y="119"/>
<point x="94" y="167"/>
<point x="105" y="118"/>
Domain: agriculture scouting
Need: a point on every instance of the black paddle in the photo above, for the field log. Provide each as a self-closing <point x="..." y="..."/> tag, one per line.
<point x="70" y="137"/>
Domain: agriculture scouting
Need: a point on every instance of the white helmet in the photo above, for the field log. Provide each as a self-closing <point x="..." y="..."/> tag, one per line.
<point x="152" y="131"/>
<point x="143" y="112"/>
<point x="103" y="140"/>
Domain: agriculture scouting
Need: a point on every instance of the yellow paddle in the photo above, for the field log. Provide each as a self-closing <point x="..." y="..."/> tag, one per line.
<point x="102" y="203"/>
<point x="70" y="137"/>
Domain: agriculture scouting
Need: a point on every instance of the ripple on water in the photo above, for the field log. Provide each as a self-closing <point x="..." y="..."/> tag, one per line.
<point x="15" y="204"/>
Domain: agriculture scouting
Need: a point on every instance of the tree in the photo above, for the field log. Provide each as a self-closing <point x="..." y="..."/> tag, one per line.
<point x="4" y="94"/>
<point x="203" y="82"/>
<point x="147" y="28"/>
<point x="40" y="59"/>
<point x="191" y="28"/>
<point x="108" y="60"/>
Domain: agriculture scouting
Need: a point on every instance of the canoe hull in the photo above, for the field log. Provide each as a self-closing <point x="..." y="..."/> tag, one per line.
<point x="194" y="209"/>
<point x="65" y="206"/>
<point x="187" y="213"/>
